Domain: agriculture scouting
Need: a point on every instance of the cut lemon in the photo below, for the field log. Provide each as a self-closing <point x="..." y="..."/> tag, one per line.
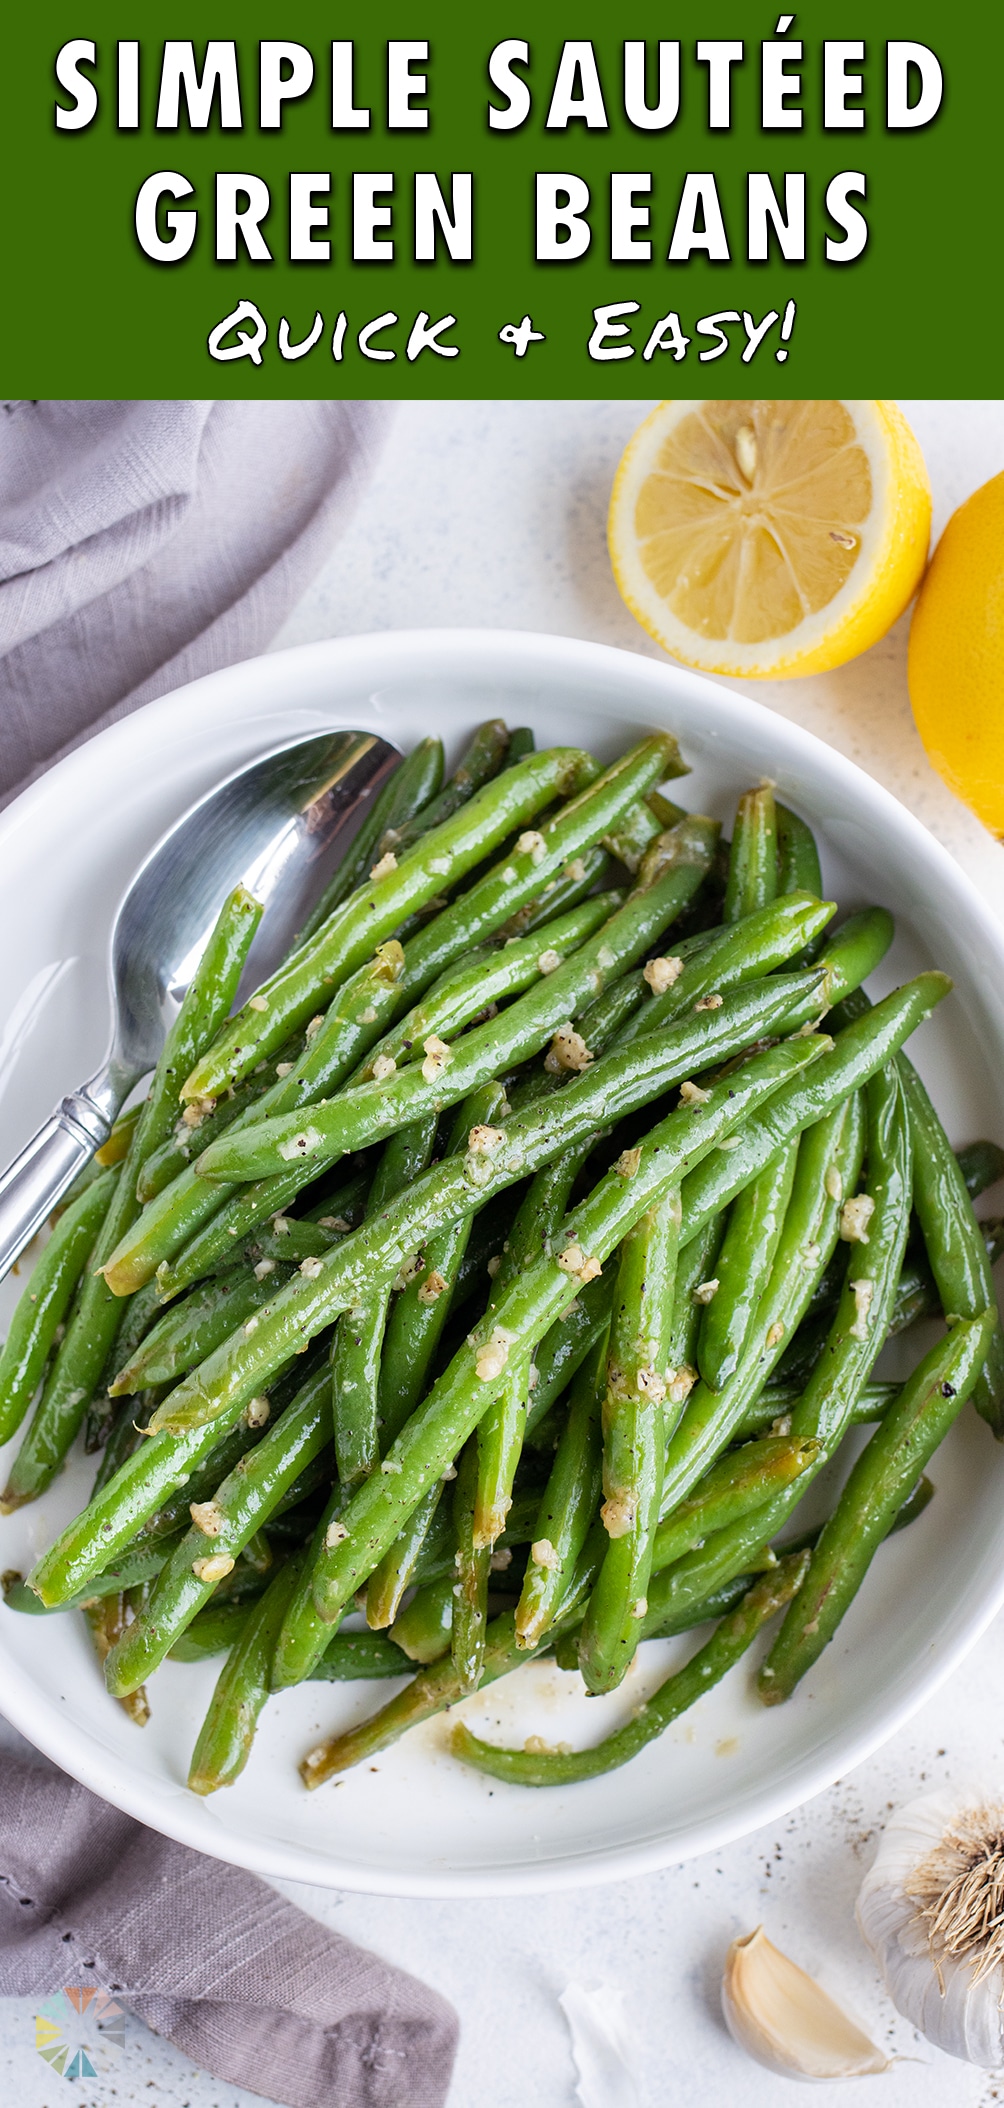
<point x="956" y="659"/>
<point x="770" y="538"/>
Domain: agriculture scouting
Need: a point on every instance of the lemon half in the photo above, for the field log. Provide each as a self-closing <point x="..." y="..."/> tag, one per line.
<point x="956" y="657"/>
<point x="770" y="538"/>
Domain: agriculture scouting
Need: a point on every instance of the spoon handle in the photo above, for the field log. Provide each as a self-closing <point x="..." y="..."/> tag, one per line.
<point x="37" y="1179"/>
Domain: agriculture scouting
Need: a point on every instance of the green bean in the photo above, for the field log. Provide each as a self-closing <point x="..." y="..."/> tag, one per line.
<point x="142" y="1562"/>
<point x="423" y="1629"/>
<point x="500" y="1434"/>
<point x="470" y="1605"/>
<point x="562" y="1351"/>
<point x="488" y="750"/>
<point x="568" y="1504"/>
<point x="567" y="890"/>
<point x="739" y="1482"/>
<point x="97" y="1314"/>
<point x="447" y="1074"/>
<point x="190" y="1330"/>
<point x="304" y="1636"/>
<point x="878" y="1484"/>
<point x="828" y="1160"/>
<point x="414" y="782"/>
<point x="44" y="1302"/>
<point x="361" y="1012"/>
<point x="752" y="881"/>
<point x="214" y="1397"/>
<point x="695" y="1264"/>
<point x="743" y="1268"/>
<point x="824" y="1410"/>
<point x="634" y="834"/>
<point x="797" y="856"/>
<point x="374" y="911"/>
<point x="141" y="1311"/>
<point x="390" y="1580"/>
<point x="357" y="1343"/>
<point x="212" y="1631"/>
<point x="488" y="976"/>
<point x="952" y="1238"/>
<point x="771" y="1412"/>
<point x="917" y="1294"/>
<point x="106" y="1621"/>
<point x="227" y="1732"/>
<point x="637" y="1375"/>
<point x="676" y="1695"/>
<point x="353" y="1656"/>
<point x="981" y="1164"/>
<point x="858" y="1049"/>
<point x="742" y="951"/>
<point x="221" y="1529"/>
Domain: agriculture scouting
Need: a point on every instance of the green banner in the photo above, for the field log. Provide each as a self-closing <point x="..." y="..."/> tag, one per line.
<point x="556" y="200"/>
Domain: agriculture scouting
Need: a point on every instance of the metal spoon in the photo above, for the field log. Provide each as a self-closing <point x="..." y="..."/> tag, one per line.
<point x="268" y="826"/>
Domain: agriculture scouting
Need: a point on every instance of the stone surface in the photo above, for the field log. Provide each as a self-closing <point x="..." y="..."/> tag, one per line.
<point x="492" y="514"/>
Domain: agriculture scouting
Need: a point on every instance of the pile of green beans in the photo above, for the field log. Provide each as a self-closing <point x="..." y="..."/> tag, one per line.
<point x="505" y="1271"/>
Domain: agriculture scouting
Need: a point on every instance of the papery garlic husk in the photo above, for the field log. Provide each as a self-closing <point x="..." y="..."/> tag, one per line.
<point x="928" y="1909"/>
<point x="784" y="2019"/>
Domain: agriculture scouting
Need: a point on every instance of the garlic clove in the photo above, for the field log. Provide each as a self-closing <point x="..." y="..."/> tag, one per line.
<point x="940" y="1864"/>
<point x="783" y="2018"/>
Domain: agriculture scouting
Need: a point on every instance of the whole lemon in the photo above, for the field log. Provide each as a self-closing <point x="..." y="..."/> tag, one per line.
<point x="956" y="655"/>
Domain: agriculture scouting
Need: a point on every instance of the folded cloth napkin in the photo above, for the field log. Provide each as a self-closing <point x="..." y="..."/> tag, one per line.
<point x="246" y="1985"/>
<point x="144" y="543"/>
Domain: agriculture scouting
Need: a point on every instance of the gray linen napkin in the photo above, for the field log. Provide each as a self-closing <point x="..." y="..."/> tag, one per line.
<point x="246" y="1985"/>
<point x="144" y="543"/>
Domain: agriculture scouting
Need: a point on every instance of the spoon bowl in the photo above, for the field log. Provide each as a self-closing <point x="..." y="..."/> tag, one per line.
<point x="276" y="826"/>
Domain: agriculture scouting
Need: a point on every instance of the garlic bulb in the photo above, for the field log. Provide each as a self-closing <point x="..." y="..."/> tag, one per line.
<point x="784" y="2019"/>
<point x="932" y="1910"/>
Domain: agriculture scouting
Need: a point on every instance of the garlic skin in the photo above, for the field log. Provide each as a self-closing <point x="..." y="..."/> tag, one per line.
<point x="935" y="1989"/>
<point x="783" y="2018"/>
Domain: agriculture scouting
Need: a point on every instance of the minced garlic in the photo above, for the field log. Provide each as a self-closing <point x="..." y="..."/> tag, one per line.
<point x="862" y="1292"/>
<point x="628" y="1163"/>
<point x="855" y="1215"/>
<point x="432" y="1287"/>
<point x="484" y="1141"/>
<point x="661" y="974"/>
<point x="387" y="864"/>
<point x="568" y="1050"/>
<point x="207" y="1516"/>
<point x="549" y="961"/>
<point x="533" y="845"/>
<point x="437" y="1055"/>
<point x="214" y="1568"/>
<point x="300" y="1145"/>
<point x="543" y="1553"/>
<point x="310" y="1267"/>
<point x="493" y="1356"/>
<point x="692" y="1094"/>
<point x="709" y="1002"/>
<point x="258" y="1002"/>
<point x="382" y="1066"/>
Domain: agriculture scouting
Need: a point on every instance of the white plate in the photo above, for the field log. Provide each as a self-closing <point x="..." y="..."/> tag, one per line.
<point x="417" y="1823"/>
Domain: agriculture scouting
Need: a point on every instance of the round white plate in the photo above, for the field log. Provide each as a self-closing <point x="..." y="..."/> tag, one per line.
<point x="416" y="1822"/>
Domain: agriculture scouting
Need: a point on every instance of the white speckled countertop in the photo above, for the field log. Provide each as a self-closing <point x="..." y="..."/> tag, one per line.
<point x="492" y="514"/>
